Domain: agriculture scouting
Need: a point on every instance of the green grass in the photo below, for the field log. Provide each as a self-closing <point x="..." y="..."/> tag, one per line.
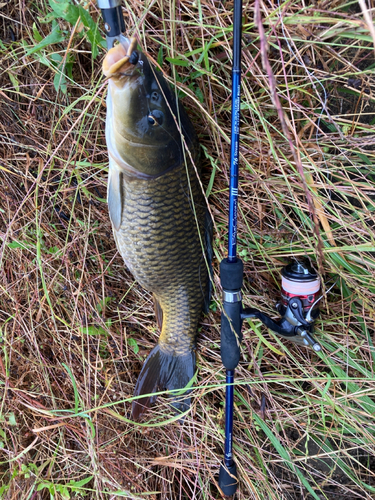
<point x="74" y="325"/>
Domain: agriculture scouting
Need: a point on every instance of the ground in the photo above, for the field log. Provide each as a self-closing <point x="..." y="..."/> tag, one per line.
<point x="75" y="326"/>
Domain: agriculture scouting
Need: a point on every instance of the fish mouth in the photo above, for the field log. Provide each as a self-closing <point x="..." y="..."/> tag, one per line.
<point x="118" y="59"/>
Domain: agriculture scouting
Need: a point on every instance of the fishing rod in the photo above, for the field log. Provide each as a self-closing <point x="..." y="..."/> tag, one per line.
<point x="300" y="293"/>
<point x="300" y="284"/>
<point x="114" y="24"/>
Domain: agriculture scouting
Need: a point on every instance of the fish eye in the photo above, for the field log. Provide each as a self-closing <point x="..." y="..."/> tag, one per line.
<point x="156" y="117"/>
<point x="151" y="120"/>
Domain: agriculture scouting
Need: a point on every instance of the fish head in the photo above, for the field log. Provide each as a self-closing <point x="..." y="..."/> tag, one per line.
<point x="144" y="120"/>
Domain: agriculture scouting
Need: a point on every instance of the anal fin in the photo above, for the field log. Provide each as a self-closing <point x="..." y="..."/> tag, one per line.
<point x="158" y="312"/>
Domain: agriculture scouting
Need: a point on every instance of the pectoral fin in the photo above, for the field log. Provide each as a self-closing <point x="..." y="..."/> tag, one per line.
<point x="115" y="197"/>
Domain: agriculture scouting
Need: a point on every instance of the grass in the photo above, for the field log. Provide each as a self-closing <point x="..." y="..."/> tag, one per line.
<point x="75" y="327"/>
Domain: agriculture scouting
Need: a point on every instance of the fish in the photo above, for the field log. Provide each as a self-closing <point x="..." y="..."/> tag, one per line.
<point x="159" y="215"/>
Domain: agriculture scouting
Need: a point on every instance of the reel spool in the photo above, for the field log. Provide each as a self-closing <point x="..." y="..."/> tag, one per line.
<point x="298" y="307"/>
<point x="298" y="280"/>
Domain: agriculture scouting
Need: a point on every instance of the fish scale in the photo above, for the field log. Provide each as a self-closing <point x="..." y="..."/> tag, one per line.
<point x="158" y="239"/>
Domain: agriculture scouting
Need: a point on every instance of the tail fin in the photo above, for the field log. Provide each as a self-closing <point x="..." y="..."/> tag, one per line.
<point x="163" y="371"/>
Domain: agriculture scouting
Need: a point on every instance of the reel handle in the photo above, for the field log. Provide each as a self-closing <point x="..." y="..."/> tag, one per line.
<point x="299" y="332"/>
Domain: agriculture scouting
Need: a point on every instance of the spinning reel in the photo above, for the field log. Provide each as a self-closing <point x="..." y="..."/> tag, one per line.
<point x="298" y="310"/>
<point x="300" y="295"/>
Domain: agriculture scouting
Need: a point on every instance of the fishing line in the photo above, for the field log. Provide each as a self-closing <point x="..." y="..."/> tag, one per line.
<point x="325" y="293"/>
<point x="323" y="102"/>
<point x="311" y="74"/>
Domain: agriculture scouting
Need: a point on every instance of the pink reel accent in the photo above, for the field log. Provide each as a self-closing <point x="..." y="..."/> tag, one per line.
<point x="301" y="287"/>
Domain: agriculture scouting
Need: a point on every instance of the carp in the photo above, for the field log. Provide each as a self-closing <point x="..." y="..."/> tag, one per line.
<point x="158" y="213"/>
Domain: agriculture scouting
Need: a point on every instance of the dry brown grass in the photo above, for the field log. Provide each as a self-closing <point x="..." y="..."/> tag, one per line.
<point x="75" y="327"/>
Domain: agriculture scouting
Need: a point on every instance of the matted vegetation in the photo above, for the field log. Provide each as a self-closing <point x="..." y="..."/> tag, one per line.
<point x="75" y="327"/>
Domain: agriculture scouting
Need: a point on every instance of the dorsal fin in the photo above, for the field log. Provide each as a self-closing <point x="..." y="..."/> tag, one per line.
<point x="115" y="196"/>
<point x="208" y="234"/>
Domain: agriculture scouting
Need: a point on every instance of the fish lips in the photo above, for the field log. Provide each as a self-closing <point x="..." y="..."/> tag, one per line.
<point x="120" y="59"/>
